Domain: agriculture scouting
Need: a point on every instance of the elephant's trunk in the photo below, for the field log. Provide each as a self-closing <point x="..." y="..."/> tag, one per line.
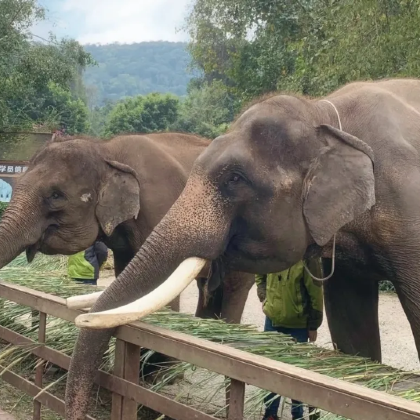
<point x="19" y="227"/>
<point x="194" y="227"/>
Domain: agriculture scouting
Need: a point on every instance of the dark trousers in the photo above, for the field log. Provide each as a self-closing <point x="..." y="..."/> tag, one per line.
<point x="301" y="336"/>
<point x="87" y="281"/>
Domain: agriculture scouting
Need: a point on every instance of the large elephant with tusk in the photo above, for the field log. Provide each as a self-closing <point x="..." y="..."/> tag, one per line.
<point x="77" y="190"/>
<point x="293" y="177"/>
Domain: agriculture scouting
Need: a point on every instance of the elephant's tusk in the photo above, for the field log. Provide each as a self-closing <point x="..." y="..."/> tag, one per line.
<point x="157" y="299"/>
<point x="82" y="301"/>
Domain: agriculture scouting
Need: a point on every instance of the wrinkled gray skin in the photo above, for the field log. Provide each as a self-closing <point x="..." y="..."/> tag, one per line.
<point x="78" y="190"/>
<point x="277" y="187"/>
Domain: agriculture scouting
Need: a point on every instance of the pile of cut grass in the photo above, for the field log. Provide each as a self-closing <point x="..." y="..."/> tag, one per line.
<point x="47" y="274"/>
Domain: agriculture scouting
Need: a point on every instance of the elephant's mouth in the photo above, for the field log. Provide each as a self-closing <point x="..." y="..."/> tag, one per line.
<point x="40" y="245"/>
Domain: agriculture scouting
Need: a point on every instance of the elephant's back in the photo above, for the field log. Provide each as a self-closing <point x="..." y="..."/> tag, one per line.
<point x="185" y="148"/>
<point x="177" y="149"/>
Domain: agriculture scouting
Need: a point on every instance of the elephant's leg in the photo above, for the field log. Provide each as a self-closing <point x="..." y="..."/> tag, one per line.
<point x="227" y="302"/>
<point x="211" y="308"/>
<point x="236" y="287"/>
<point x="121" y="260"/>
<point x="175" y="305"/>
<point x="407" y="285"/>
<point x="351" y="303"/>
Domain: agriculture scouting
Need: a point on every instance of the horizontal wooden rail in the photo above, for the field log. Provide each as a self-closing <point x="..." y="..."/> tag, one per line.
<point x="348" y="400"/>
<point x="120" y="386"/>
<point x="46" y="399"/>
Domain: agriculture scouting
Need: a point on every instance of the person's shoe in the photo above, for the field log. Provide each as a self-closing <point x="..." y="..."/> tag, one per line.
<point x="271" y="417"/>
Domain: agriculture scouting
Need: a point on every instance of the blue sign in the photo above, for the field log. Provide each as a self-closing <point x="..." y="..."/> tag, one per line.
<point x="6" y="189"/>
<point x="9" y="172"/>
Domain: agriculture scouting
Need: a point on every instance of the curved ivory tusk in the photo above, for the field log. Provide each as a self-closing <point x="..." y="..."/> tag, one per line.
<point x="82" y="301"/>
<point x="157" y="299"/>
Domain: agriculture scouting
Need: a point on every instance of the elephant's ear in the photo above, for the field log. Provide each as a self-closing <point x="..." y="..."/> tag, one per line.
<point x="119" y="197"/>
<point x="339" y="185"/>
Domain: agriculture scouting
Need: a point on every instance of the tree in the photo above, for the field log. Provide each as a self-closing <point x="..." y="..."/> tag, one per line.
<point x="307" y="46"/>
<point x="27" y="68"/>
<point x="207" y="110"/>
<point x="246" y="44"/>
<point x="143" y="114"/>
<point x="138" y="69"/>
<point x="59" y="107"/>
<point x="98" y="117"/>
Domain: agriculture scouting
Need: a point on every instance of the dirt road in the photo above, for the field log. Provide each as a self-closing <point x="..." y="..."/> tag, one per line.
<point x="398" y="347"/>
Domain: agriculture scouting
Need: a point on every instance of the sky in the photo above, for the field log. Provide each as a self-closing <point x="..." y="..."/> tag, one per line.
<point x="108" y="21"/>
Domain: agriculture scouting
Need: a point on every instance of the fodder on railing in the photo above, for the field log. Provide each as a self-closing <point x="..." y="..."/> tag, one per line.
<point x="47" y="275"/>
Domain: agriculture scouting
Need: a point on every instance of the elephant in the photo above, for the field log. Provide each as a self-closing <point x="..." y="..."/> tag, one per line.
<point x="292" y="178"/>
<point x="78" y="190"/>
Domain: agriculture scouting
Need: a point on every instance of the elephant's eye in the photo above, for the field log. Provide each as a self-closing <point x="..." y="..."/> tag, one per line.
<point x="55" y="195"/>
<point x="234" y="178"/>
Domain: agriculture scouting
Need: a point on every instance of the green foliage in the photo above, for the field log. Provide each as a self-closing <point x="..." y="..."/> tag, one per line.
<point x="386" y="286"/>
<point x="137" y="69"/>
<point x="98" y="117"/>
<point x="307" y="46"/>
<point x="28" y="69"/>
<point x="143" y="114"/>
<point x="207" y="110"/>
<point x="58" y="106"/>
<point x="2" y="208"/>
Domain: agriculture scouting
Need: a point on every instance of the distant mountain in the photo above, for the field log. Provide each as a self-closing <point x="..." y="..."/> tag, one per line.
<point x="133" y="69"/>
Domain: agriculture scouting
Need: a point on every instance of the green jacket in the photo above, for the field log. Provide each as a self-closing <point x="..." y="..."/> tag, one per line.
<point x="86" y="264"/>
<point x="292" y="298"/>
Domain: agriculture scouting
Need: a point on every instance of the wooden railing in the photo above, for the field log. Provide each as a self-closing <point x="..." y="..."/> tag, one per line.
<point x="339" y="397"/>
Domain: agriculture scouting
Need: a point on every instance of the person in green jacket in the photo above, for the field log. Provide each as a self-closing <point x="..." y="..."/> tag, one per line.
<point x="293" y="304"/>
<point x="84" y="266"/>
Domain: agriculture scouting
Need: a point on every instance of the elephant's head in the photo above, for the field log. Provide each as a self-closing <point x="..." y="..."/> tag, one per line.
<point x="278" y="181"/>
<point x="72" y="192"/>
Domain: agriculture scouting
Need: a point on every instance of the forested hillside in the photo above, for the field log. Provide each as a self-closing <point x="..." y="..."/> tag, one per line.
<point x="132" y="69"/>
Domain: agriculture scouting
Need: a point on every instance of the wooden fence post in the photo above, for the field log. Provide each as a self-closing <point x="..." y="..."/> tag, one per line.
<point x="40" y="367"/>
<point x="126" y="366"/>
<point x="35" y="319"/>
<point x="235" y="400"/>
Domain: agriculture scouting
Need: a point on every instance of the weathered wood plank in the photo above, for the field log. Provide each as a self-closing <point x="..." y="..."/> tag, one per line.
<point x="346" y="399"/>
<point x="131" y="374"/>
<point x="159" y="403"/>
<point x="117" y="399"/>
<point x="235" y="400"/>
<point x="46" y="399"/>
<point x="119" y="386"/>
<point x="39" y="373"/>
<point x="339" y="397"/>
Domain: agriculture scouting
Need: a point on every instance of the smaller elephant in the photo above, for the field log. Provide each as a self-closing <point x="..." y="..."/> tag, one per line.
<point x="78" y="190"/>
